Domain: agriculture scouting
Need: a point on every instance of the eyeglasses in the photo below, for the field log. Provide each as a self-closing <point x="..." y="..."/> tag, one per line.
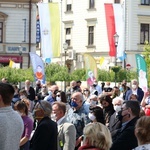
<point x="58" y="95"/>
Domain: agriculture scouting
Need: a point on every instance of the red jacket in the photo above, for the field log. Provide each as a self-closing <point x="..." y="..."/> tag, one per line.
<point x="87" y="147"/>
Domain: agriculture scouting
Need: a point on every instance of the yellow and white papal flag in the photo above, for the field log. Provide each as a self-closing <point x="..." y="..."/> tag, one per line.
<point x="12" y="64"/>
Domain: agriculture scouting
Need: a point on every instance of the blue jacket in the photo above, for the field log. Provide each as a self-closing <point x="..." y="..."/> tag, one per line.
<point x="140" y="94"/>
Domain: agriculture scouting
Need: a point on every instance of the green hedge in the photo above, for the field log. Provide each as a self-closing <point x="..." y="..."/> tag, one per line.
<point x="55" y="72"/>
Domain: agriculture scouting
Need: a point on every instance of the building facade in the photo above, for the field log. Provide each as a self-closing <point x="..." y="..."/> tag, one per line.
<point x="84" y="29"/>
<point x="137" y="29"/>
<point x="17" y="31"/>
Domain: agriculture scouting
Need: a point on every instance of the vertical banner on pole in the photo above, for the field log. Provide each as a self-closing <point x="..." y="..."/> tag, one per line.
<point x="91" y="68"/>
<point x="38" y="67"/>
<point x="142" y="72"/>
<point x="49" y="14"/>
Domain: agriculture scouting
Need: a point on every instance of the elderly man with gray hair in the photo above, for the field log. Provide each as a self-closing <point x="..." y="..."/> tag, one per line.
<point x="45" y="135"/>
<point x="114" y="123"/>
<point x="78" y="115"/>
<point x="135" y="89"/>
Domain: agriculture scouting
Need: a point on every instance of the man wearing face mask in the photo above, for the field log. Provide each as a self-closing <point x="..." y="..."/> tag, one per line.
<point x="125" y="139"/>
<point x="78" y="115"/>
<point x="66" y="131"/>
<point x="114" y="122"/>
<point x="96" y="87"/>
<point x="51" y="98"/>
<point x="93" y="101"/>
<point x="45" y="135"/>
<point x="135" y="89"/>
<point x="38" y="87"/>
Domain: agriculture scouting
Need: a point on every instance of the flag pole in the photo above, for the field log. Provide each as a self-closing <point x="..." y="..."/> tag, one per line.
<point x="61" y="37"/>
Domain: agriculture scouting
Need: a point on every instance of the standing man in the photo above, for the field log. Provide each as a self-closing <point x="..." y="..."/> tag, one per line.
<point x="11" y="124"/>
<point x="66" y="131"/>
<point x="45" y="135"/>
<point x="114" y="122"/>
<point x="107" y="87"/>
<point x="96" y="87"/>
<point x="30" y="90"/>
<point x="125" y="139"/>
<point x="78" y="115"/>
<point x="135" y="89"/>
<point x="4" y="80"/>
<point x="51" y="98"/>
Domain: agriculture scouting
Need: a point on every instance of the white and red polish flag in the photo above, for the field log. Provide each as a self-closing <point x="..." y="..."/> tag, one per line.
<point x="115" y="23"/>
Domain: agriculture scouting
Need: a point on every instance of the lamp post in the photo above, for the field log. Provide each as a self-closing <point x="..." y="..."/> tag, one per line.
<point x="116" y="37"/>
<point x="65" y="47"/>
<point x="20" y="54"/>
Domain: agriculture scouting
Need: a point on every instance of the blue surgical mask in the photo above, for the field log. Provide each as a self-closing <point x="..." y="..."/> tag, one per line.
<point x="121" y="89"/>
<point x="74" y="104"/>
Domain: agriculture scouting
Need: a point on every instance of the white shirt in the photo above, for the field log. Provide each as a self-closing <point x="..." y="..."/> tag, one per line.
<point x="134" y="92"/>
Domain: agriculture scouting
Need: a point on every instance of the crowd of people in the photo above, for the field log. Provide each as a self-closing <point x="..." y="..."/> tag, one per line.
<point x="99" y="117"/>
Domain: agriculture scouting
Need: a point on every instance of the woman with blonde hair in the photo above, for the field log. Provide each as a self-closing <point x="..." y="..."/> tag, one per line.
<point x="96" y="137"/>
<point x="142" y="132"/>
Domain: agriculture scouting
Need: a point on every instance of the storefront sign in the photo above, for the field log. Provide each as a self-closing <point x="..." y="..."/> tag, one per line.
<point x="15" y="49"/>
<point x="5" y="59"/>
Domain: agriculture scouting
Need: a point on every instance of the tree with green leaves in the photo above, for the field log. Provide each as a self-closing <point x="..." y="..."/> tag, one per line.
<point x="146" y="54"/>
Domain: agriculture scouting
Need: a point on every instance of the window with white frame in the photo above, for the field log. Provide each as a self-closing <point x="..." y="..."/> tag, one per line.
<point x="68" y="36"/>
<point x="144" y="33"/>
<point x="116" y="1"/>
<point x="145" y="2"/>
<point x="91" y="4"/>
<point x="69" y="5"/>
<point x="1" y="32"/>
<point x="90" y="35"/>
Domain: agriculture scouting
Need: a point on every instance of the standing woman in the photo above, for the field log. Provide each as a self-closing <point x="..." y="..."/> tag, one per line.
<point x="96" y="137"/>
<point x="108" y="108"/>
<point x="61" y="97"/>
<point x="86" y="94"/>
<point x="22" y="109"/>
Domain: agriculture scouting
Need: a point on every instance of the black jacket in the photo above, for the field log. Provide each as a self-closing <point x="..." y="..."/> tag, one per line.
<point x="125" y="139"/>
<point x="45" y="135"/>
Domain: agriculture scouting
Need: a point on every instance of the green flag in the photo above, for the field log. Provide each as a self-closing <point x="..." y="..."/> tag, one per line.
<point x="142" y="72"/>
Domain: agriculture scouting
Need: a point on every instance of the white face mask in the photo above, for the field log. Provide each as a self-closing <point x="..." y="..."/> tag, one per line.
<point x="134" y="86"/>
<point x="117" y="108"/>
<point x="93" y="103"/>
<point x="22" y="96"/>
<point x="91" y="116"/>
<point x="58" y="99"/>
<point x="53" y="117"/>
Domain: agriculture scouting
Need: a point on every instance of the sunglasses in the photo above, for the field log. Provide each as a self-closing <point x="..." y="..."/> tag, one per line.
<point x="58" y="95"/>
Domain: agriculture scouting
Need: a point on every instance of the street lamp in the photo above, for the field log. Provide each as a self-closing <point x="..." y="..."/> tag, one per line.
<point x="65" y="47"/>
<point x="20" y="54"/>
<point x="116" y="38"/>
